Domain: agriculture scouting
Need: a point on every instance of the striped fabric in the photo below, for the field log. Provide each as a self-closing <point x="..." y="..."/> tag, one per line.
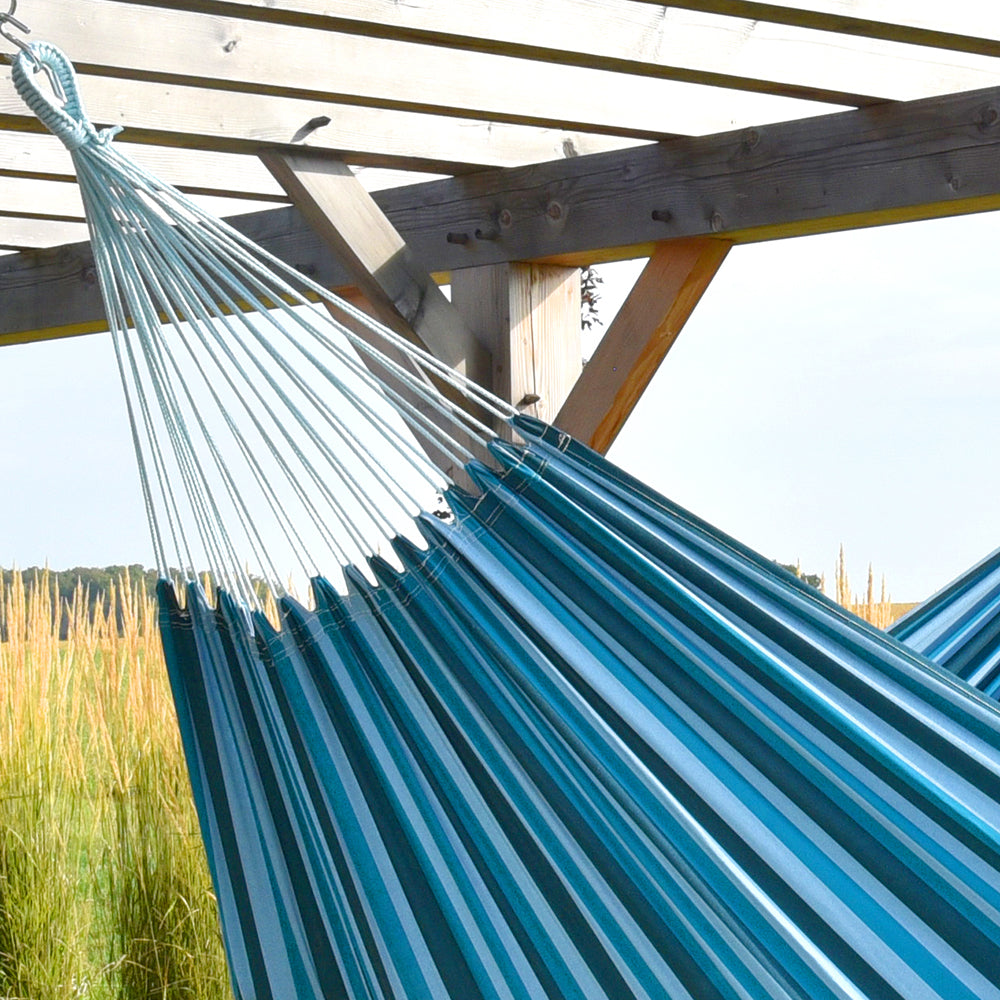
<point x="584" y="746"/>
<point x="959" y="627"/>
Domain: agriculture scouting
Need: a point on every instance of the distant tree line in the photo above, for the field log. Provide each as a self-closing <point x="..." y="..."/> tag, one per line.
<point x="96" y="582"/>
<point x="813" y="579"/>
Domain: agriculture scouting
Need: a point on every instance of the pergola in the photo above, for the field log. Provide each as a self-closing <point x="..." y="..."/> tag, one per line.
<point x="568" y="132"/>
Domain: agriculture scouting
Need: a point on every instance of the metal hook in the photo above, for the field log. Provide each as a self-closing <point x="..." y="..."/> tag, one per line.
<point x="8" y="18"/>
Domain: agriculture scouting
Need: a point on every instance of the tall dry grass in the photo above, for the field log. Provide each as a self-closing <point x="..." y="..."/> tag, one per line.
<point x="104" y="889"/>
<point x="880" y="612"/>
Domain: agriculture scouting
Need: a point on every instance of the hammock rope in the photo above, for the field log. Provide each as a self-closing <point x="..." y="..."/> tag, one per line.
<point x="266" y="375"/>
<point x="561" y="741"/>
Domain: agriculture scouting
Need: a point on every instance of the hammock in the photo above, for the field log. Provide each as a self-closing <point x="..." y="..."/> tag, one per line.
<point x="551" y="736"/>
<point x="959" y="627"/>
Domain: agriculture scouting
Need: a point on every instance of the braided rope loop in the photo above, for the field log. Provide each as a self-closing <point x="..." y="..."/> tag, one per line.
<point x="68" y="122"/>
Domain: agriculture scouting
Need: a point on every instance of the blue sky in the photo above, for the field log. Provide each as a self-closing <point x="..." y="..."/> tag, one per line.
<point x="827" y="390"/>
<point x="840" y="389"/>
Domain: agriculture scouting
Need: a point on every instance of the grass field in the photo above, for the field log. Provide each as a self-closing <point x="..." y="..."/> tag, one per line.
<point x="104" y="889"/>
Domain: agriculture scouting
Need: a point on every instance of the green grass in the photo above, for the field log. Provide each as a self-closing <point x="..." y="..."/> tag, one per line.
<point x="104" y="888"/>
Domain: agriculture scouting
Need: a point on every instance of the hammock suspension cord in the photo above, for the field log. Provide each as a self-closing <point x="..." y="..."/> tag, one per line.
<point x="304" y="398"/>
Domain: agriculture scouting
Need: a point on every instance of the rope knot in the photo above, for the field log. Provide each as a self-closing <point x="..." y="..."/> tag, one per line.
<point x="68" y="120"/>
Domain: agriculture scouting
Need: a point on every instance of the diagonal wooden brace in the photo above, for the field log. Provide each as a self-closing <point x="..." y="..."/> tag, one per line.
<point x="395" y="288"/>
<point x="646" y="327"/>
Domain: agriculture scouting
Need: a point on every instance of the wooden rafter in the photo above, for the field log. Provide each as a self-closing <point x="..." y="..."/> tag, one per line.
<point x="916" y="22"/>
<point x="106" y="38"/>
<point x="654" y="40"/>
<point x="190" y="116"/>
<point x="413" y="85"/>
<point x="646" y="327"/>
<point x="62" y="201"/>
<point x="196" y="171"/>
<point x="873" y="166"/>
<point x="399" y="288"/>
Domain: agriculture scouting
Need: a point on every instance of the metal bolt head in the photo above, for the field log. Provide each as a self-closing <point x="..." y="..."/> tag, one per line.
<point x="554" y="211"/>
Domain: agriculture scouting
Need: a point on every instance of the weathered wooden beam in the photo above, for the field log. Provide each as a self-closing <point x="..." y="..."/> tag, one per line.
<point x="529" y="315"/>
<point x="964" y="25"/>
<point x="195" y="171"/>
<point x="61" y="200"/>
<point x="204" y="50"/>
<point x="723" y="47"/>
<point x="30" y="234"/>
<point x="348" y="220"/>
<point x="646" y="327"/>
<point x="918" y="22"/>
<point x="874" y="166"/>
<point x="187" y="116"/>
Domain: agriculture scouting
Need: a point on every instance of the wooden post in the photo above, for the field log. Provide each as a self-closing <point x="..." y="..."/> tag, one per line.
<point x="530" y="315"/>
<point x="646" y="327"/>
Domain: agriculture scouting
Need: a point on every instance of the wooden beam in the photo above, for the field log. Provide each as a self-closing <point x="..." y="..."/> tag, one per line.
<point x="646" y="327"/>
<point x="720" y="47"/>
<point x="348" y="219"/>
<point x="964" y="25"/>
<point x="61" y="200"/>
<point x="204" y="50"/>
<point x="529" y="314"/>
<point x="874" y="166"/>
<point x="924" y="22"/>
<point x="195" y="171"/>
<point x="187" y="116"/>
<point x="31" y="235"/>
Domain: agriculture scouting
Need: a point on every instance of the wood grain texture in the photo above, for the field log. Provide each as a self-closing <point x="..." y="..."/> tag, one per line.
<point x="965" y="25"/>
<point x="29" y="235"/>
<point x="24" y="154"/>
<point x="961" y="19"/>
<point x="655" y="40"/>
<point x="646" y="327"/>
<point x="348" y="220"/>
<point x="61" y="200"/>
<point x="188" y="116"/>
<point x="529" y="314"/>
<point x="112" y="39"/>
<point x="874" y="166"/>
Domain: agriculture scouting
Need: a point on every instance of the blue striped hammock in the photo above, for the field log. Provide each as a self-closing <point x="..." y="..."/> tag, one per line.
<point x="959" y="626"/>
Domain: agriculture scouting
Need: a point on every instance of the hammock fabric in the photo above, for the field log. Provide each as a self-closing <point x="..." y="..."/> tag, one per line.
<point x="584" y="746"/>
<point x="959" y="627"/>
<point x="569" y="742"/>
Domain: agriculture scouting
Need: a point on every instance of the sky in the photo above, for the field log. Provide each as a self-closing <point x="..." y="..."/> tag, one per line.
<point x="828" y="390"/>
